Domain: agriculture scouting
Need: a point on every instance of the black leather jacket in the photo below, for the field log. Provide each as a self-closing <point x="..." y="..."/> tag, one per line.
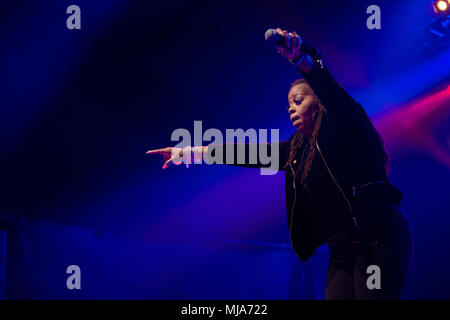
<point x="350" y="151"/>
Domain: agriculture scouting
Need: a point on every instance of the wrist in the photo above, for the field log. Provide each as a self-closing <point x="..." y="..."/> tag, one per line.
<point x="193" y="154"/>
<point x="204" y="152"/>
<point x="305" y="64"/>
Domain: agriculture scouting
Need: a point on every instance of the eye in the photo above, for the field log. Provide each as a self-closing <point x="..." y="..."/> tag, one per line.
<point x="298" y="101"/>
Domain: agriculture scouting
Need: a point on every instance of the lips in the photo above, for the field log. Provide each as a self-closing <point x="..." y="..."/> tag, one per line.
<point x="294" y="118"/>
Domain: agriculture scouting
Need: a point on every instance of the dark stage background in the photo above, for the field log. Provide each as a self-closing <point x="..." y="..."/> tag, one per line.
<point x="79" y="108"/>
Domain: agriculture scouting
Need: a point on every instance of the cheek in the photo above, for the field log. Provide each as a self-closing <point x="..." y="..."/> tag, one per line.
<point x="309" y="109"/>
<point x="307" y="120"/>
<point x="306" y="113"/>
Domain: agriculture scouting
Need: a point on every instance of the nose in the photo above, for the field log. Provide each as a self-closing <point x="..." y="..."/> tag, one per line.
<point x="291" y="110"/>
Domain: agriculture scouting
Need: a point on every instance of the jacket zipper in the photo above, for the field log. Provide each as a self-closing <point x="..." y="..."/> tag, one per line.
<point x="355" y="221"/>
<point x="295" y="197"/>
<point x="293" y="207"/>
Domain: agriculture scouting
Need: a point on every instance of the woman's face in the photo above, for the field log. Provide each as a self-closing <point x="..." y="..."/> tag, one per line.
<point x="302" y="105"/>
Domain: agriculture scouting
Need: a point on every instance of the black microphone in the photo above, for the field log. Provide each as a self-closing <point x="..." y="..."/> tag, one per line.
<point x="275" y="39"/>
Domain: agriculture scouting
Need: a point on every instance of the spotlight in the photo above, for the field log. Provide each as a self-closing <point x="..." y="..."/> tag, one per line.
<point x="441" y="6"/>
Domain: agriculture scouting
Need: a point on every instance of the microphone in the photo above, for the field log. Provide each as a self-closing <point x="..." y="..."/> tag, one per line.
<point x="273" y="38"/>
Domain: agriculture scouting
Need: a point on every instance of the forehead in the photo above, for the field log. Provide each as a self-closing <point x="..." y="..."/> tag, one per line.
<point x="301" y="89"/>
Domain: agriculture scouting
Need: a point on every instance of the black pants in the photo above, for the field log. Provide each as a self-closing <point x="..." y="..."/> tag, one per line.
<point x="391" y="252"/>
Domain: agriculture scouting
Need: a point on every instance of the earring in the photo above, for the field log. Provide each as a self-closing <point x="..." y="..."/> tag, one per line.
<point x="315" y="115"/>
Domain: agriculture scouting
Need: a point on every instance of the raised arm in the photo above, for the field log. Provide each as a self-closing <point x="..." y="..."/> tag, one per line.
<point x="337" y="102"/>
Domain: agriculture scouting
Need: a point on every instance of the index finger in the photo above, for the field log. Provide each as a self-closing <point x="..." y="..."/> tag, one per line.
<point x="164" y="150"/>
<point x="280" y="32"/>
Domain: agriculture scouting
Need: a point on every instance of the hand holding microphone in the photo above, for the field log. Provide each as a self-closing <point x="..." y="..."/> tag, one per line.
<point x="290" y="46"/>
